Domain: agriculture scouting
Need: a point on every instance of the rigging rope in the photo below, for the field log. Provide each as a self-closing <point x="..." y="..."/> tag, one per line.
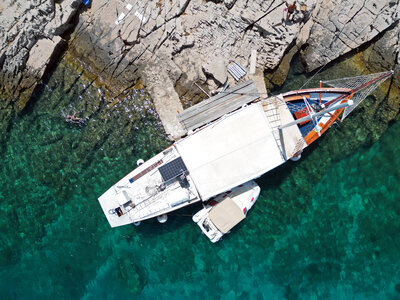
<point x="361" y="85"/>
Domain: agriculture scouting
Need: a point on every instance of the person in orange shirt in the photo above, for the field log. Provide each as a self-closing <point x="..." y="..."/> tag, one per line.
<point x="290" y="10"/>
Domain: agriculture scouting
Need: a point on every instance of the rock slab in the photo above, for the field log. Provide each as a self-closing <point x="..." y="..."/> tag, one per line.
<point x="29" y="34"/>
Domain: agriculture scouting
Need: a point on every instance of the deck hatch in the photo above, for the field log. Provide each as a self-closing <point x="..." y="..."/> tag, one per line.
<point x="173" y="169"/>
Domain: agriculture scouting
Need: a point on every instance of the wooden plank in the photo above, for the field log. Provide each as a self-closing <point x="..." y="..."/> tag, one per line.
<point x="145" y="171"/>
<point x="226" y="92"/>
<point x="216" y="109"/>
<point x="296" y="97"/>
<point x="253" y="61"/>
<point x="224" y="107"/>
<point x="234" y="89"/>
<point x="220" y="110"/>
<point x="220" y="97"/>
<point x="195" y="110"/>
<point x="235" y="101"/>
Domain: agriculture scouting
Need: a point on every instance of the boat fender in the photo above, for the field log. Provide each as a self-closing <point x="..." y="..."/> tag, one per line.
<point x="296" y="158"/>
<point x="137" y="223"/>
<point x="162" y="218"/>
<point x="140" y="162"/>
<point x="196" y="218"/>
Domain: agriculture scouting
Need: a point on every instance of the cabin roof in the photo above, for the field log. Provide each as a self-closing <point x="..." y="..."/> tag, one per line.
<point x="229" y="152"/>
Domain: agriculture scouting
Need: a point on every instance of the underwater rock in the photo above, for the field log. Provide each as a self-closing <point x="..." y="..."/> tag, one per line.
<point x="278" y="76"/>
<point x="128" y="275"/>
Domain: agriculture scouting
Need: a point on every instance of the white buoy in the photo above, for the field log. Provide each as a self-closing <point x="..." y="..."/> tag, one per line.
<point x="296" y="158"/>
<point x="140" y="162"/>
<point x="162" y="218"/>
<point x="137" y="223"/>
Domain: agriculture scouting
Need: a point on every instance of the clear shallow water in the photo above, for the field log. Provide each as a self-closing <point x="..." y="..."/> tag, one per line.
<point x="326" y="227"/>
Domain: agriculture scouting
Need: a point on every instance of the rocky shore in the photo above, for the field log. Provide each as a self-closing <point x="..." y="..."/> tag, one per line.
<point x="170" y="45"/>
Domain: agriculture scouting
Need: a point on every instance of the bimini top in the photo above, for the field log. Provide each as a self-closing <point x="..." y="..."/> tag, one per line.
<point x="226" y="214"/>
<point x="230" y="151"/>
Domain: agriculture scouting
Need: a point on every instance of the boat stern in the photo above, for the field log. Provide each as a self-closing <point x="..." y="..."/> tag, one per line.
<point x="116" y="214"/>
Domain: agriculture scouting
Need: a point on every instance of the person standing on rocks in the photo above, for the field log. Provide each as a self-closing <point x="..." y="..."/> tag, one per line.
<point x="291" y="8"/>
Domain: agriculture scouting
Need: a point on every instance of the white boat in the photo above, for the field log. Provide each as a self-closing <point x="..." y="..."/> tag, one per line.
<point x="235" y="148"/>
<point x="226" y="210"/>
<point x="154" y="188"/>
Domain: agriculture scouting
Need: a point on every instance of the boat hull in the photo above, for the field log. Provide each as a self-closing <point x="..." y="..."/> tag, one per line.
<point x="307" y="102"/>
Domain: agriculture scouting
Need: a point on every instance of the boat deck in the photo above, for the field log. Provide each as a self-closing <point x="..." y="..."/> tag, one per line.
<point x="289" y="140"/>
<point x="139" y="195"/>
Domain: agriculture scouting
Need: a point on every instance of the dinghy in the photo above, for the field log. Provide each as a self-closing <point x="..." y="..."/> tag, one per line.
<point x="226" y="210"/>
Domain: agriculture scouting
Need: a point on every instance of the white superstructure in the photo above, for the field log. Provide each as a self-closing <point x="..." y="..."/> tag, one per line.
<point x="232" y="150"/>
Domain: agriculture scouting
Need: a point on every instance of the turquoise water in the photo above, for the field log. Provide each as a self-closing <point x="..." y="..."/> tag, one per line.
<point x="326" y="227"/>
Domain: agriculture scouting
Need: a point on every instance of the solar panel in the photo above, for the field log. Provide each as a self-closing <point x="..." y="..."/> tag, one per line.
<point x="172" y="169"/>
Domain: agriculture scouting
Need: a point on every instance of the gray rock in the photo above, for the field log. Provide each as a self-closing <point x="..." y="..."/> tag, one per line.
<point x="216" y="68"/>
<point x="175" y="43"/>
<point x="229" y="3"/>
<point x="29" y="33"/>
<point x="341" y="27"/>
<point x="194" y="39"/>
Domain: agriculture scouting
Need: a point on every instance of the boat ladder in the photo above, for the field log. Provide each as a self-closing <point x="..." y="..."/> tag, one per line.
<point x="271" y="106"/>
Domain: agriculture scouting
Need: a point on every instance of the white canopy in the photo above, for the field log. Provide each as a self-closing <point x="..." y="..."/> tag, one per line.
<point x="231" y="151"/>
<point x="225" y="215"/>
